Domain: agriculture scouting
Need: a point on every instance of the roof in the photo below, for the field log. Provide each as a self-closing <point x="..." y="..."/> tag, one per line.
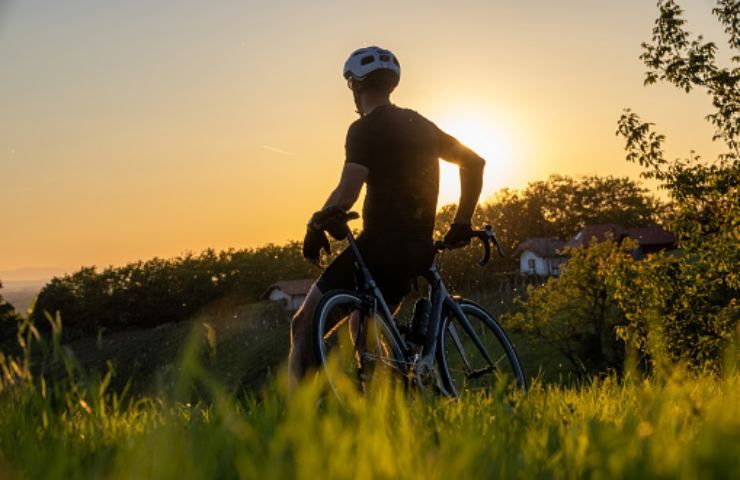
<point x="545" y="247"/>
<point x="649" y="236"/>
<point x="291" y="287"/>
<point x="645" y="236"/>
<point x="600" y="232"/>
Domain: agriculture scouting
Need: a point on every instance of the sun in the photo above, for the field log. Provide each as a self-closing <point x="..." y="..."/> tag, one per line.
<point x="481" y="132"/>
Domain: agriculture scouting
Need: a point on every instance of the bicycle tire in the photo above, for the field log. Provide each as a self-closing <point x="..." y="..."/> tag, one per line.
<point x="459" y="372"/>
<point x="330" y="334"/>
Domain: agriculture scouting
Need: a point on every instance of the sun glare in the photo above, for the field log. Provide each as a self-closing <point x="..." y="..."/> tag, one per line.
<point x="482" y="133"/>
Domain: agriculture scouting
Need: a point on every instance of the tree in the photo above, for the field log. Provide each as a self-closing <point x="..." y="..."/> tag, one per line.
<point x="156" y="291"/>
<point x="556" y="207"/>
<point x="567" y="204"/>
<point x="685" y="308"/>
<point x="8" y="319"/>
<point x="562" y="205"/>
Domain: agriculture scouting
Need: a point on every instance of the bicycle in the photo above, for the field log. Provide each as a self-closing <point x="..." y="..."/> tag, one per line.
<point x="452" y="344"/>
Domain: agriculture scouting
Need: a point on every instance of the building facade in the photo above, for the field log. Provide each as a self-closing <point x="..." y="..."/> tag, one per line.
<point x="540" y="256"/>
<point x="290" y="292"/>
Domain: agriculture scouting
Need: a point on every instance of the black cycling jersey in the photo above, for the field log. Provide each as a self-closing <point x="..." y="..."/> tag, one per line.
<point x="401" y="150"/>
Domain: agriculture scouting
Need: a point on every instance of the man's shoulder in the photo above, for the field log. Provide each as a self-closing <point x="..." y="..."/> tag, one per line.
<point x="356" y="128"/>
<point x="370" y="124"/>
<point x="414" y="116"/>
<point x="408" y="112"/>
<point x="394" y="113"/>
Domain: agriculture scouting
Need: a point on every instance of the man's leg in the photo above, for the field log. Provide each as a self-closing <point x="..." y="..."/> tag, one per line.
<point x="354" y="327"/>
<point x="302" y="354"/>
<point x="339" y="274"/>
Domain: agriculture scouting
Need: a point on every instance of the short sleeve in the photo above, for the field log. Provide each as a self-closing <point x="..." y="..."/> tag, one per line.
<point x="447" y="144"/>
<point x="358" y="146"/>
<point x="451" y="150"/>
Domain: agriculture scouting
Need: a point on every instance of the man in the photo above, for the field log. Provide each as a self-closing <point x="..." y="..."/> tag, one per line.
<point x="395" y="152"/>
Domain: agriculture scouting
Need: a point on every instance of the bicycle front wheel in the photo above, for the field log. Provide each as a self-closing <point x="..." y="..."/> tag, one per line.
<point x="479" y="359"/>
<point x="353" y="344"/>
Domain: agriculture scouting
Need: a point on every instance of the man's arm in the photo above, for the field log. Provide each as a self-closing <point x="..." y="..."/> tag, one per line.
<point x="350" y="185"/>
<point x="471" y="174"/>
<point x="344" y="196"/>
<point x="471" y="184"/>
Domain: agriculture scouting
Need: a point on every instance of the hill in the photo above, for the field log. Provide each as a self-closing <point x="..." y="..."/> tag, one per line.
<point x="245" y="343"/>
<point x="22" y="293"/>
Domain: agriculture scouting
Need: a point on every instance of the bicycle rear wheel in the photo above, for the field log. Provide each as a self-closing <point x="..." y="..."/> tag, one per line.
<point x="467" y="365"/>
<point x="354" y="345"/>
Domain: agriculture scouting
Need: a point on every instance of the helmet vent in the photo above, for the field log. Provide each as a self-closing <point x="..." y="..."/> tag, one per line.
<point x="367" y="59"/>
<point x="385" y="58"/>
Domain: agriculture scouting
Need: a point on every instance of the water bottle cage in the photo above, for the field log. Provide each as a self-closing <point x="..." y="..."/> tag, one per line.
<point x="369" y="304"/>
<point x="420" y="321"/>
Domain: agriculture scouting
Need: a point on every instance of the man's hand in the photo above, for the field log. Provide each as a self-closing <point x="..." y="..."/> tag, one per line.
<point x="459" y="235"/>
<point x="313" y="242"/>
<point x="331" y="219"/>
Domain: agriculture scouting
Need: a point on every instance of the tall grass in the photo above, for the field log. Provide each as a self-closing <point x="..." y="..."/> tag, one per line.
<point x="678" y="426"/>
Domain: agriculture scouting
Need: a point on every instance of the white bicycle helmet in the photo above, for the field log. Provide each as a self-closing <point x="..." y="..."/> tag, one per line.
<point x="364" y="61"/>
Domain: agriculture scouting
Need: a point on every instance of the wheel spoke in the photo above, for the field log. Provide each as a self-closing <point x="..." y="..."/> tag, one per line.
<point x="478" y="357"/>
<point x="357" y="342"/>
<point x="500" y="359"/>
<point x="458" y="345"/>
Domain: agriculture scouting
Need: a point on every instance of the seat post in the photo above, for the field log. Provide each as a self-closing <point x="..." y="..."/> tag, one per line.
<point x="372" y="286"/>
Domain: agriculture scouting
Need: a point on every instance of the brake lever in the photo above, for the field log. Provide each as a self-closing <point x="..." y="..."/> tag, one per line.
<point x="484" y="237"/>
<point x="492" y="236"/>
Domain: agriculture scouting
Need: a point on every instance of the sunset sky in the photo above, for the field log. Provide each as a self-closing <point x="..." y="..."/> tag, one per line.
<point x="133" y="129"/>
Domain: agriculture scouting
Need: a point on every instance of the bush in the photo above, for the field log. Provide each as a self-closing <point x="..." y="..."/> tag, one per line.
<point x="680" y="308"/>
<point x="685" y="308"/>
<point x="576" y="312"/>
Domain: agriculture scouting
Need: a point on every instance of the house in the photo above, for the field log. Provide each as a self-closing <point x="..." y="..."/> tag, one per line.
<point x="291" y="292"/>
<point x="649" y="239"/>
<point x="652" y="239"/>
<point x="540" y="256"/>
<point x="597" y="233"/>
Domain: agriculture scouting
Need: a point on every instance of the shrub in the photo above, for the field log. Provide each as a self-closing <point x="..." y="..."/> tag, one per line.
<point x="576" y="312"/>
<point x="685" y="308"/>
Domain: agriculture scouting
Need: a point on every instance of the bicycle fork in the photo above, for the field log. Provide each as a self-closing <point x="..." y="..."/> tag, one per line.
<point x="442" y="302"/>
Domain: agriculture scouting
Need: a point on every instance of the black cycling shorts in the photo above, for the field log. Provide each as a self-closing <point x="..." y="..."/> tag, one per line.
<point x="394" y="261"/>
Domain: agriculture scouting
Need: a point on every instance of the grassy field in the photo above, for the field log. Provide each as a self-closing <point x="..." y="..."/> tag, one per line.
<point x="209" y="401"/>
<point x="246" y="343"/>
<point x="676" y="428"/>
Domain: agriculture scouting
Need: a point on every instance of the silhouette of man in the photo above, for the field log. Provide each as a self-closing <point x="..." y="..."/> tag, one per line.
<point x="395" y="152"/>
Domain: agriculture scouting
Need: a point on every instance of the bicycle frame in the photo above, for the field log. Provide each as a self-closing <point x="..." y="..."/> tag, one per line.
<point x="440" y="300"/>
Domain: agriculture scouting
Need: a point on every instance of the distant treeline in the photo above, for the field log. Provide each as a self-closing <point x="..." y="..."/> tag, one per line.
<point x="149" y="293"/>
<point x="157" y="291"/>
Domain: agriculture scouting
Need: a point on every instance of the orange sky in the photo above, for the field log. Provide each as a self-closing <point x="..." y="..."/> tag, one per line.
<point x="137" y="129"/>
